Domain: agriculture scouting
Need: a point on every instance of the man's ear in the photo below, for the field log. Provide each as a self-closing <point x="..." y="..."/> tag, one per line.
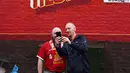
<point x="74" y="27"/>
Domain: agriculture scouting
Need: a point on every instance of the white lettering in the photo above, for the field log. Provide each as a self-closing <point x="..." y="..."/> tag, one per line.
<point x="45" y="3"/>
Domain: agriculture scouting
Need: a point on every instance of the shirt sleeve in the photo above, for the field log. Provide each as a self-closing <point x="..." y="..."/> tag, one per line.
<point x="80" y="45"/>
<point x="42" y="52"/>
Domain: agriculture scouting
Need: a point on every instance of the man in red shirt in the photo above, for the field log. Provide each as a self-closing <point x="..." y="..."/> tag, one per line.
<point x="48" y="59"/>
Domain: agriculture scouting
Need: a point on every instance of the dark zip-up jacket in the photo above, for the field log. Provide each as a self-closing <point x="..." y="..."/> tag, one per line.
<point x="77" y="55"/>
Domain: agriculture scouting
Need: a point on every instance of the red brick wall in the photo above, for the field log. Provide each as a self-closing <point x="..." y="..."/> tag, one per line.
<point x="90" y="16"/>
<point x="117" y="59"/>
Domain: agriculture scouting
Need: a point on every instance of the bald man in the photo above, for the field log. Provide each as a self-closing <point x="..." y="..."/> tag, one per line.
<point x="75" y="48"/>
<point x="48" y="59"/>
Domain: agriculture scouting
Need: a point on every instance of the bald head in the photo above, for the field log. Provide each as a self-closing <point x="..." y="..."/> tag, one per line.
<point x="71" y="25"/>
<point x="70" y="29"/>
<point x="54" y="30"/>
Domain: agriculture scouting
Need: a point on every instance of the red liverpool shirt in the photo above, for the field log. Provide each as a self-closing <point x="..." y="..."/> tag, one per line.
<point x="53" y="62"/>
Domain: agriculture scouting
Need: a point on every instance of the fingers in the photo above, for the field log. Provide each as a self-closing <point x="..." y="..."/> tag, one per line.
<point x="65" y="39"/>
<point x="58" y="40"/>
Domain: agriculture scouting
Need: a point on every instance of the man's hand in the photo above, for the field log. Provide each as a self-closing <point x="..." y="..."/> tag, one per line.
<point x="65" y="39"/>
<point x="58" y="40"/>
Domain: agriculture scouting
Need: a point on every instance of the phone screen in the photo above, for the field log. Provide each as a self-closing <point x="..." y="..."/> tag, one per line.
<point x="58" y="34"/>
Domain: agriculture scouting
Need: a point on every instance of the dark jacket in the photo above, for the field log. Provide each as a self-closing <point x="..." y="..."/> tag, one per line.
<point x="77" y="55"/>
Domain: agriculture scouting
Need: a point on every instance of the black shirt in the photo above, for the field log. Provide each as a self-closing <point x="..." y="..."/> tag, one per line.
<point x="77" y="55"/>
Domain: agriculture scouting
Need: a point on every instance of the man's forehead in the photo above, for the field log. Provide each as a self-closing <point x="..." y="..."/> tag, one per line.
<point x="56" y="29"/>
<point x="70" y="25"/>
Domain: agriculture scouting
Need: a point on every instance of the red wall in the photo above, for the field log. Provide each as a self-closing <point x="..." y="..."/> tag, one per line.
<point x="93" y="18"/>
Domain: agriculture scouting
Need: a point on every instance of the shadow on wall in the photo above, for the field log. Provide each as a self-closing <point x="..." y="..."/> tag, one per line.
<point x="56" y="7"/>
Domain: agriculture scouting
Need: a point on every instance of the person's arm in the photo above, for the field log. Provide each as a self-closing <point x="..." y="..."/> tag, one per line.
<point x="62" y="51"/>
<point x="42" y="53"/>
<point x="80" y="45"/>
<point x="40" y="65"/>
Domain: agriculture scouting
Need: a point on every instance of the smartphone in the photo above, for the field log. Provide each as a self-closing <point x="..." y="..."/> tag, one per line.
<point x="58" y="34"/>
